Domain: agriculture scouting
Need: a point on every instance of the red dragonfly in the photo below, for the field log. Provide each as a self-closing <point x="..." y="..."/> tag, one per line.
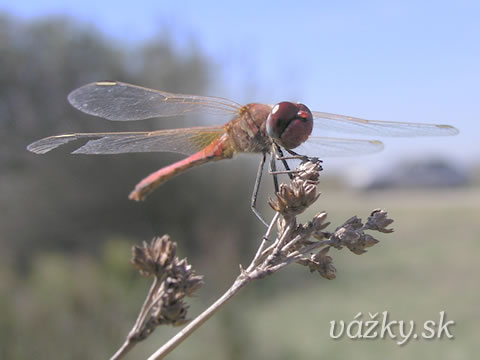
<point x="253" y="128"/>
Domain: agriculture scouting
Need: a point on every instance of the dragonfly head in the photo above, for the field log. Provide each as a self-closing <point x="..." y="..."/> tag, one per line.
<point x="289" y="124"/>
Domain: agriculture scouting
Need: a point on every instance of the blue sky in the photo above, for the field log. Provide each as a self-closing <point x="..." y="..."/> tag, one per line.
<point x="391" y="60"/>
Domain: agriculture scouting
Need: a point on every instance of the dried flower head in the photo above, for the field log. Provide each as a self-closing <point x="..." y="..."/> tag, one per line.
<point x="309" y="170"/>
<point x="320" y="262"/>
<point x="293" y="198"/>
<point x="154" y="258"/>
<point x="183" y="279"/>
<point x="168" y="312"/>
<point x="351" y="234"/>
<point x="379" y="221"/>
<point x="174" y="279"/>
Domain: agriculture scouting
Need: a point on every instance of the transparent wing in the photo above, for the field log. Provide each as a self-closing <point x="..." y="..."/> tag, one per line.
<point x="184" y="141"/>
<point x="317" y="146"/>
<point x="352" y="125"/>
<point x="124" y="102"/>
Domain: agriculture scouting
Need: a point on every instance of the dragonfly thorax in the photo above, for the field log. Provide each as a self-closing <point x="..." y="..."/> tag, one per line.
<point x="247" y="131"/>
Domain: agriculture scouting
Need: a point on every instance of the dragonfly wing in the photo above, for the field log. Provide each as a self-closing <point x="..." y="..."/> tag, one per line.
<point x="184" y="141"/>
<point x="352" y="125"/>
<point x="317" y="146"/>
<point x="124" y="102"/>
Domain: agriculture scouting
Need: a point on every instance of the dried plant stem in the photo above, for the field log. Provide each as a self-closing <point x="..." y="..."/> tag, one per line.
<point x="124" y="349"/>
<point x="199" y="320"/>
<point x="132" y="339"/>
<point x="261" y="249"/>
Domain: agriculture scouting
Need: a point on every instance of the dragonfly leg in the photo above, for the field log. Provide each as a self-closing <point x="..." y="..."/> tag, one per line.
<point x="284" y="162"/>
<point x="255" y="190"/>
<point x="293" y="156"/>
<point x="273" y="168"/>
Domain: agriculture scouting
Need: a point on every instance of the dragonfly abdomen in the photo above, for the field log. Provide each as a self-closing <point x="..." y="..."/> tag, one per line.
<point x="218" y="149"/>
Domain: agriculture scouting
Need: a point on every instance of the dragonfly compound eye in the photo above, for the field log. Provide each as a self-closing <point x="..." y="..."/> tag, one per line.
<point x="289" y="124"/>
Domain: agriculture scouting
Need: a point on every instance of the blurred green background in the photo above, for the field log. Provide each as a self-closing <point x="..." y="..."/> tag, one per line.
<point x="67" y="289"/>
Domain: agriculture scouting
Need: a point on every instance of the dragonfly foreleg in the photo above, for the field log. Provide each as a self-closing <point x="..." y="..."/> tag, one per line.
<point x="297" y="156"/>
<point x="255" y="190"/>
<point x="293" y="156"/>
<point x="283" y="159"/>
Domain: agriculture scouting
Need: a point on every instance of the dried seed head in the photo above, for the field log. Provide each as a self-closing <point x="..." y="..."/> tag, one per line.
<point x="353" y="224"/>
<point x="180" y="282"/>
<point x="379" y="221"/>
<point x="293" y="198"/>
<point x="183" y="279"/>
<point x="154" y="258"/>
<point x="309" y="170"/>
<point x="174" y="279"/>
<point x="320" y="262"/>
<point x="167" y="312"/>
<point x="358" y="247"/>
<point x="318" y="223"/>
<point x="353" y="238"/>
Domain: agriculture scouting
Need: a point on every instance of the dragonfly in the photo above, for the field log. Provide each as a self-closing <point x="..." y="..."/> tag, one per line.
<point x="252" y="128"/>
